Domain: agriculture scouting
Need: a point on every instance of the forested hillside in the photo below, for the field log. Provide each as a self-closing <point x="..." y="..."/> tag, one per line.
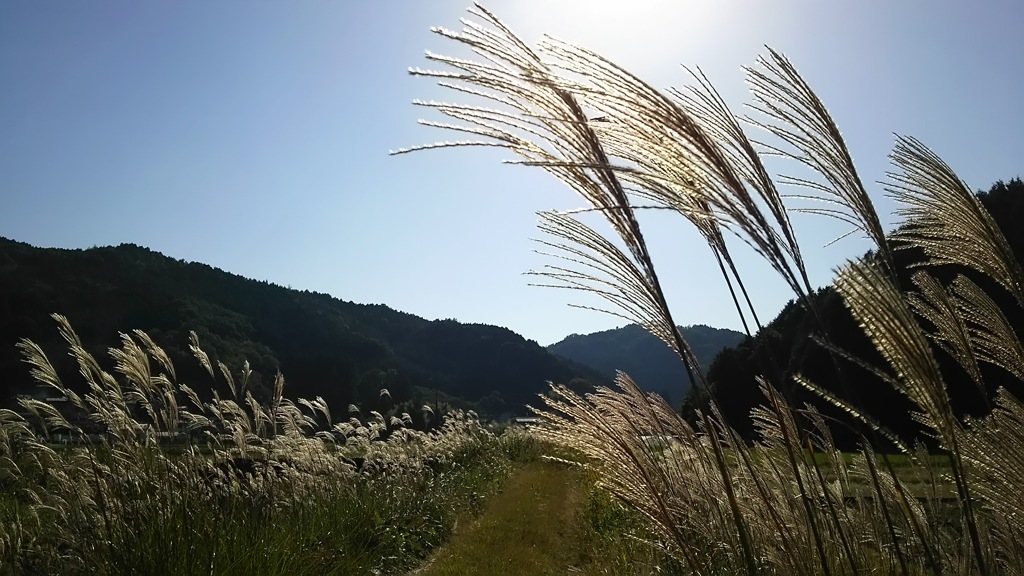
<point x="794" y="342"/>
<point x="324" y="346"/>
<point x="648" y="360"/>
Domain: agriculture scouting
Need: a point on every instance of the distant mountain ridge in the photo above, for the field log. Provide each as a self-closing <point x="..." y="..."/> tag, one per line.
<point x="648" y="360"/>
<point x="324" y="346"/>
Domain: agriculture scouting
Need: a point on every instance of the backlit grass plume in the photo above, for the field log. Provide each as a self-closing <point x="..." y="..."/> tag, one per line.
<point x="789" y="503"/>
<point x="943" y="217"/>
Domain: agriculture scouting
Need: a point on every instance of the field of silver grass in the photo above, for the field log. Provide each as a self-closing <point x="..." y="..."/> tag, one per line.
<point x="790" y="503"/>
<point x="140" y="476"/>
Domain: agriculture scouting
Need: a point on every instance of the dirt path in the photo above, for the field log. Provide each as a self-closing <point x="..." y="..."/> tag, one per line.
<point x="530" y="527"/>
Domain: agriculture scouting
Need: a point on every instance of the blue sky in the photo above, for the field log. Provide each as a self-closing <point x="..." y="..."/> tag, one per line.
<point x="254" y="136"/>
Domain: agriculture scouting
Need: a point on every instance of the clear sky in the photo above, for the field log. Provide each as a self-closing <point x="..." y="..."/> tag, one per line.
<point x="254" y="136"/>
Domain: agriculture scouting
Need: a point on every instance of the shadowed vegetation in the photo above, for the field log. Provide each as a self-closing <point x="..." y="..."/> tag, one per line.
<point x="788" y="341"/>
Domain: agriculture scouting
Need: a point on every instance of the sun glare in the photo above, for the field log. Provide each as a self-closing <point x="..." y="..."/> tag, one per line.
<point x="642" y="34"/>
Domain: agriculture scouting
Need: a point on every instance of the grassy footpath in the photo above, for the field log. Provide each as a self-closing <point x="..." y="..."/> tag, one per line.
<point x="549" y="518"/>
<point x="531" y="527"/>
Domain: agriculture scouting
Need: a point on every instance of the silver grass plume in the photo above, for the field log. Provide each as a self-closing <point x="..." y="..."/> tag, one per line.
<point x="880" y="309"/>
<point x="934" y="303"/>
<point x="547" y="127"/>
<point x="689" y="154"/>
<point x="156" y="352"/>
<point x="886" y="318"/>
<point x="995" y="448"/>
<point x="945" y="220"/>
<point x="799" y="118"/>
<point x="201" y="356"/>
<point x="603" y="269"/>
<point x="992" y="336"/>
<point x="612" y="429"/>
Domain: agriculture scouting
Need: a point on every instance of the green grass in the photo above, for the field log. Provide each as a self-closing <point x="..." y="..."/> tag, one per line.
<point x="929" y="477"/>
<point x="529" y="527"/>
<point x="548" y="518"/>
<point x="615" y="539"/>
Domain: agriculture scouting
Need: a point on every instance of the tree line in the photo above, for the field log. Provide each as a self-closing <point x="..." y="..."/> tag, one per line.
<point x="796" y="342"/>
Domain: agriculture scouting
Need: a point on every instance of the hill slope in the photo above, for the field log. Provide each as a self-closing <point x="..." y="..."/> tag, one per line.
<point x="790" y="344"/>
<point x="644" y="357"/>
<point x="326" y="347"/>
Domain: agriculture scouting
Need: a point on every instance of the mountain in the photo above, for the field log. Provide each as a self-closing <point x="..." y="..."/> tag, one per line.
<point x="342" y="351"/>
<point x="648" y="360"/>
